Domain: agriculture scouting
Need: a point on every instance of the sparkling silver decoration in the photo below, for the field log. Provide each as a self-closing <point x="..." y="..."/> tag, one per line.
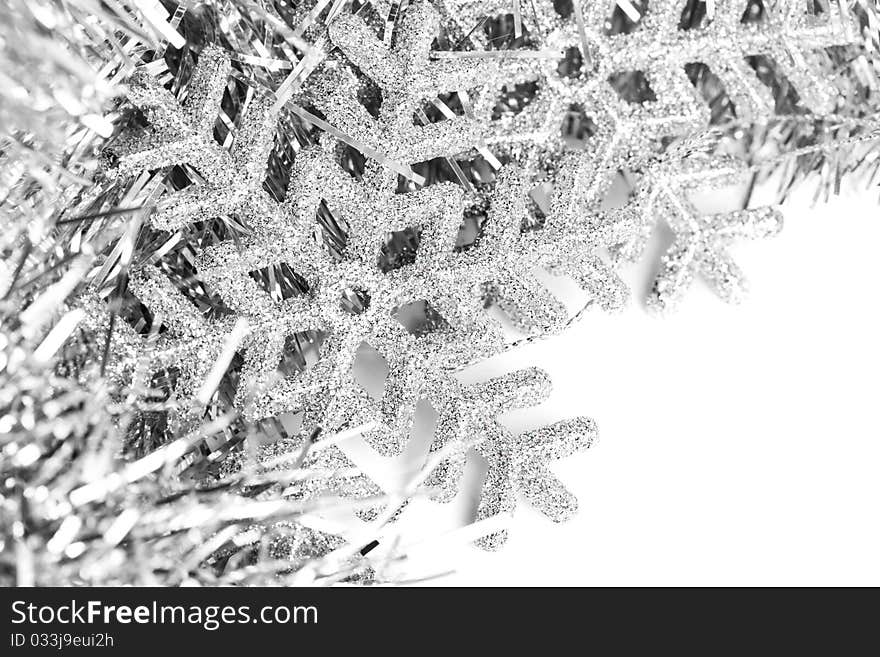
<point x="216" y="212"/>
<point x="380" y="262"/>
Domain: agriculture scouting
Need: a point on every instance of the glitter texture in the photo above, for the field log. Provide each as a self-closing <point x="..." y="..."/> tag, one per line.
<point x="192" y="276"/>
<point x="365" y="255"/>
<point x="517" y="465"/>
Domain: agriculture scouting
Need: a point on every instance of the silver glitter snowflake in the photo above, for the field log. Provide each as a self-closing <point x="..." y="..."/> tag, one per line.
<point x="598" y="67"/>
<point x="593" y="81"/>
<point x="453" y="285"/>
<point x="368" y="261"/>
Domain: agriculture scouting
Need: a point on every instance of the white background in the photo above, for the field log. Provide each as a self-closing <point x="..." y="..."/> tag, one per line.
<point x="739" y="444"/>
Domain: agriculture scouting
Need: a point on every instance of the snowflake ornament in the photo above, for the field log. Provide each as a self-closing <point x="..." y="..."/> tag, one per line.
<point x="353" y="257"/>
<point x="639" y="75"/>
<point x="632" y="91"/>
<point x="433" y="216"/>
<point x="454" y="285"/>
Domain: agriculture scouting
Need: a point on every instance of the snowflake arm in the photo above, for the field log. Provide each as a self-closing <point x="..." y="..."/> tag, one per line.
<point x="701" y="241"/>
<point x="516" y="464"/>
<point x="176" y="134"/>
<point x="407" y="77"/>
<point x="182" y="133"/>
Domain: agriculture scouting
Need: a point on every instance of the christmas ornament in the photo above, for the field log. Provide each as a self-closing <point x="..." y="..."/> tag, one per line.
<point x="216" y="209"/>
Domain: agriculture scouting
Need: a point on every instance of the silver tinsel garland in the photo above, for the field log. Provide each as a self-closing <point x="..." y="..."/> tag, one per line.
<point x="212" y="209"/>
